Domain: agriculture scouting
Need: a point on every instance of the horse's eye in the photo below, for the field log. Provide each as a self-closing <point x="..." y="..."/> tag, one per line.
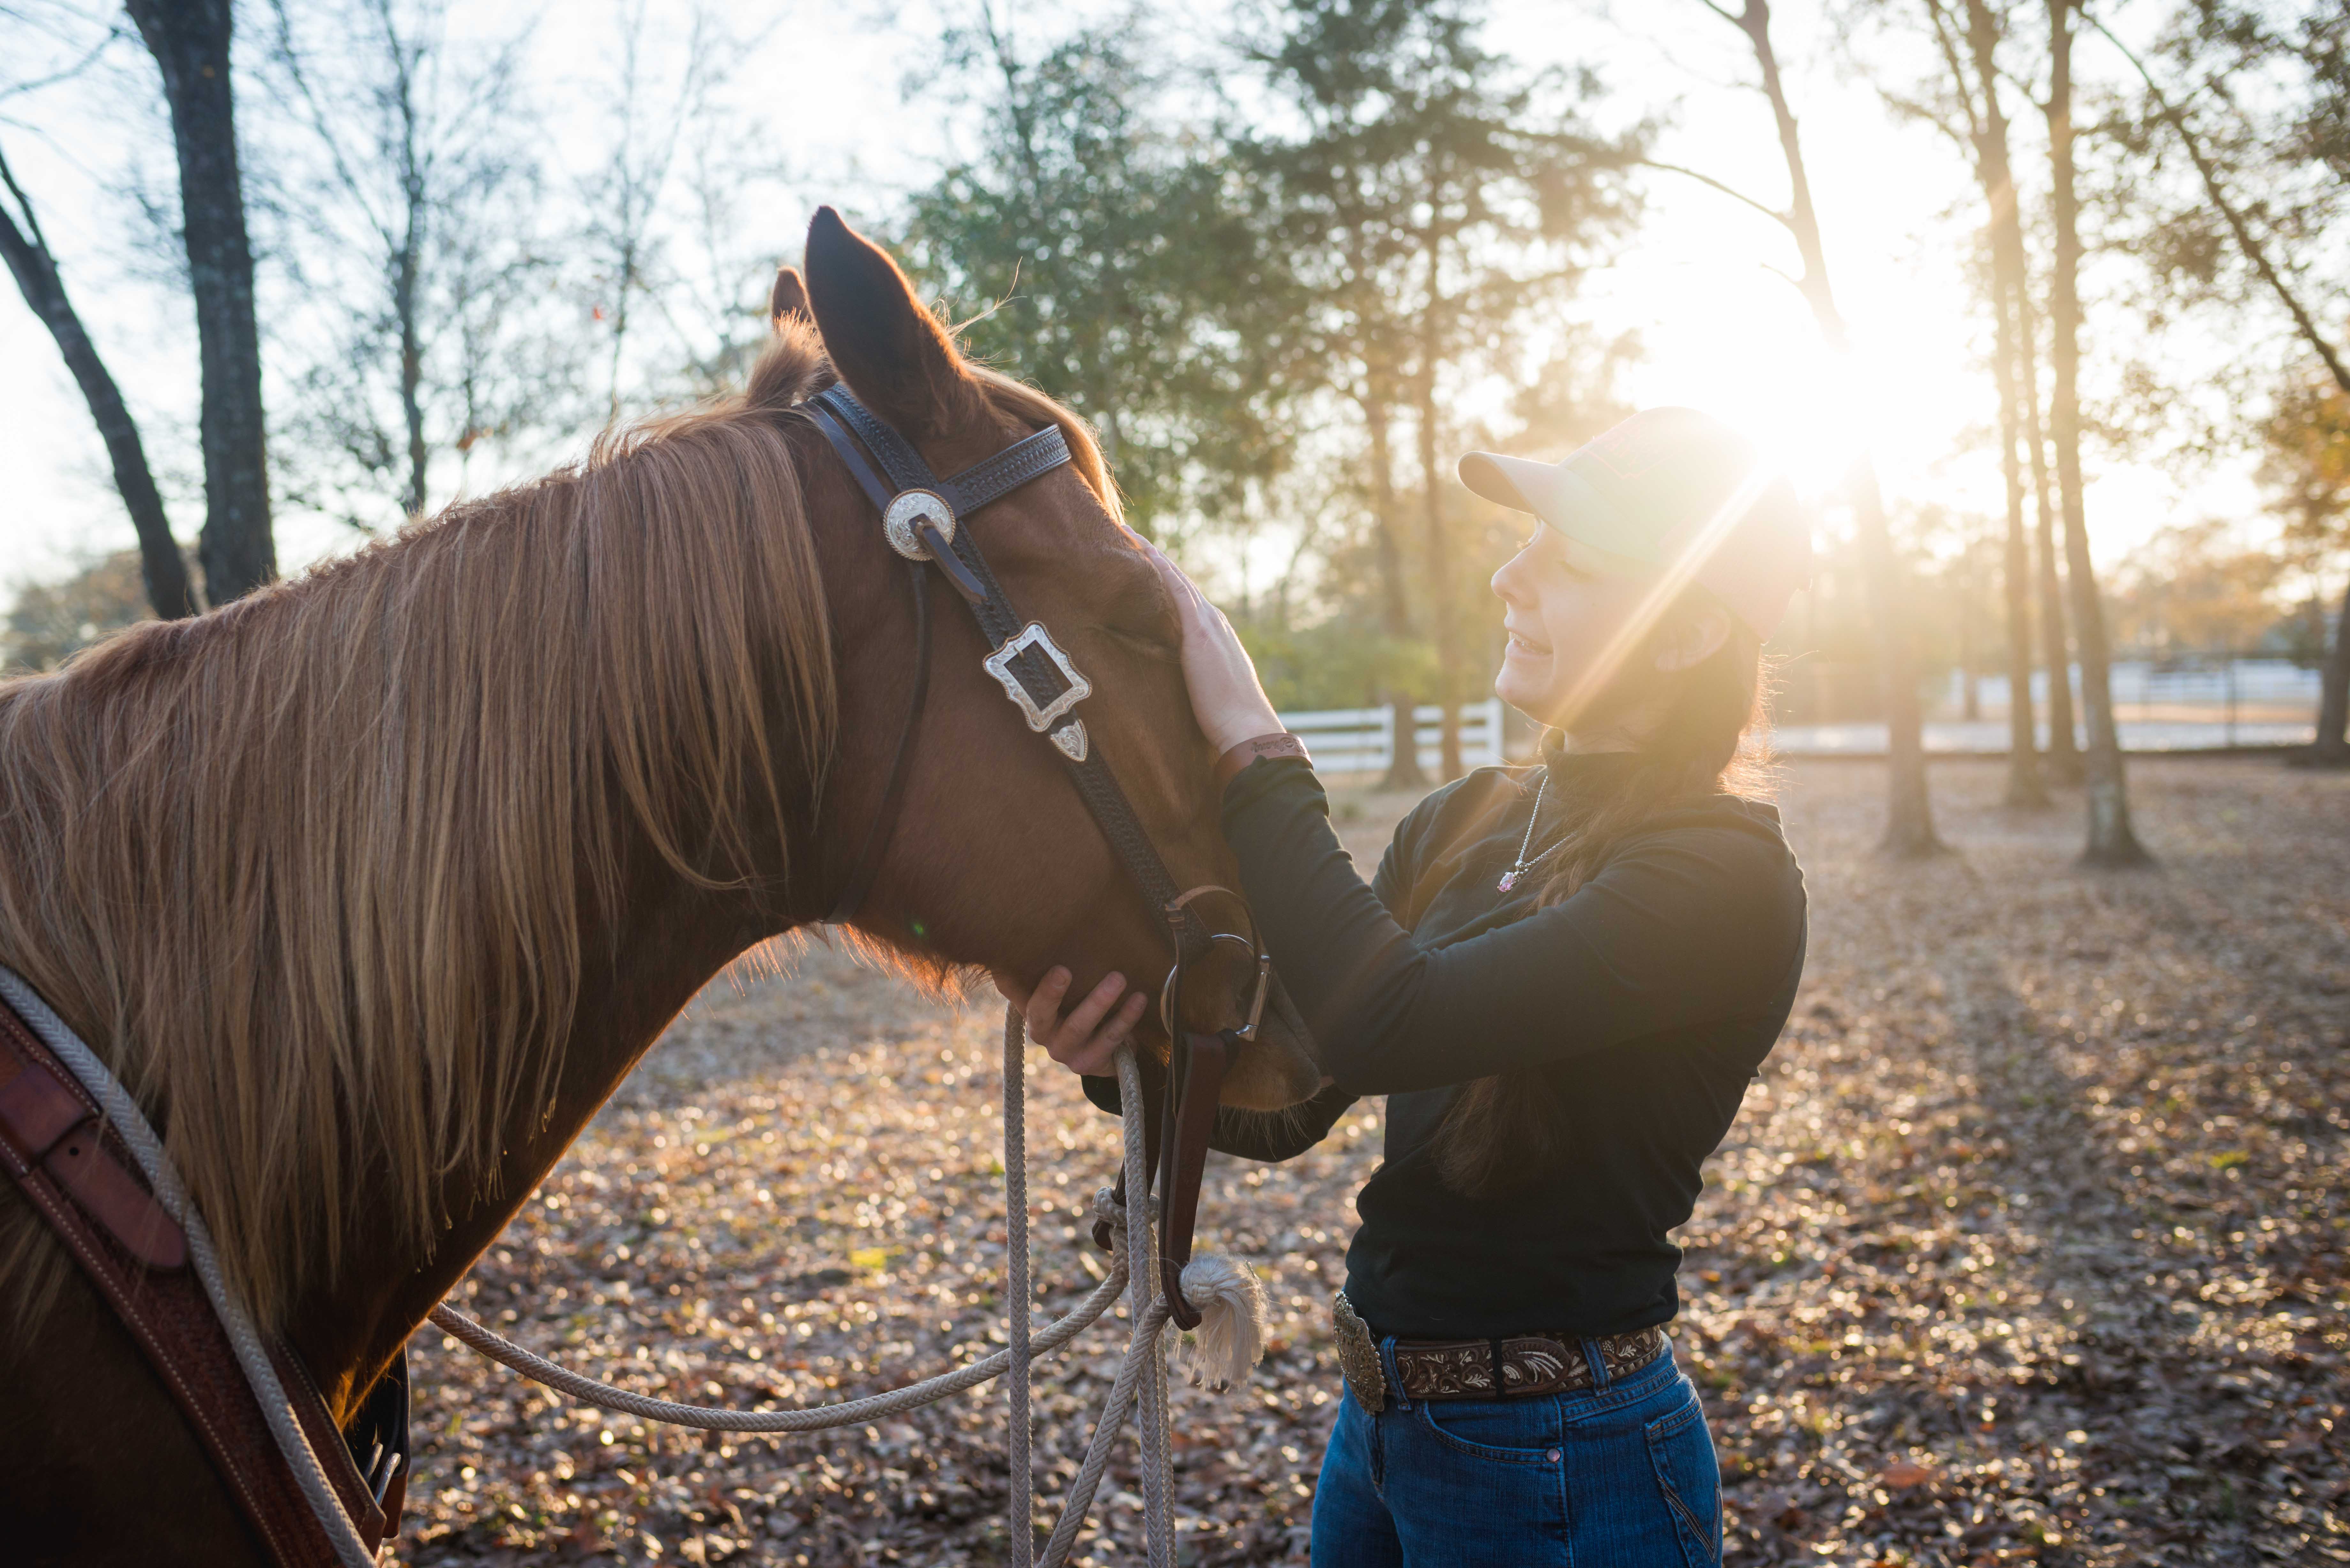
<point x="1155" y="641"/>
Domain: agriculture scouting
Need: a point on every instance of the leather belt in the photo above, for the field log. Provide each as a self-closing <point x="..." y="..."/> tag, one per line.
<point x="1520" y="1366"/>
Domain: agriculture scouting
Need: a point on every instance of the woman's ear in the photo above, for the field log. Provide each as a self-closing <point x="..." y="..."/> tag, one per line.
<point x="1692" y="637"/>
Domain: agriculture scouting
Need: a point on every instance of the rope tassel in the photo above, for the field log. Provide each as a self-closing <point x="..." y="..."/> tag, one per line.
<point x="1230" y="1340"/>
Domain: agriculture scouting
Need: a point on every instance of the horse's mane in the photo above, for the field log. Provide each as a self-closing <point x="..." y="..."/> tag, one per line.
<point x="314" y="872"/>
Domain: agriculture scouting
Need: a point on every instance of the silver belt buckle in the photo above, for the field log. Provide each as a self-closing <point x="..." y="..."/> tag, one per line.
<point x="1358" y="1356"/>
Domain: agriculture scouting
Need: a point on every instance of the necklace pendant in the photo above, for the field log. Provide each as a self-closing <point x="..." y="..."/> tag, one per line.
<point x="1509" y="880"/>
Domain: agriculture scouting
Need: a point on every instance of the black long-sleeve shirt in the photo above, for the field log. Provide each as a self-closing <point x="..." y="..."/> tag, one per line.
<point x="1649" y="998"/>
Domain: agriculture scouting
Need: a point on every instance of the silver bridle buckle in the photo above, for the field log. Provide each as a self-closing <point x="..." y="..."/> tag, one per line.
<point x="908" y="510"/>
<point x="999" y="664"/>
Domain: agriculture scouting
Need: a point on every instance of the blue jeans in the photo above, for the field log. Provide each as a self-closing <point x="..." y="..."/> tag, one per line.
<point x="1621" y="1476"/>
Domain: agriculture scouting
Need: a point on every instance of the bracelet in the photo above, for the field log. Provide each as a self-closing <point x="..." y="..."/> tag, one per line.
<point x="1280" y="743"/>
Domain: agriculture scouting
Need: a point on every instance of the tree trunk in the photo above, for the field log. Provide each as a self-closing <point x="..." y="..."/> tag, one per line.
<point x="189" y="41"/>
<point x="2024" y="787"/>
<point x="1969" y="692"/>
<point x="35" y="270"/>
<point x="1909" y="811"/>
<point x="2332" y="749"/>
<point x="411" y="371"/>
<point x="2112" y="841"/>
<point x="1403" y="760"/>
<point x="1445" y="610"/>
<point x="408" y="282"/>
<point x="2062" y="765"/>
<point x="1909" y="817"/>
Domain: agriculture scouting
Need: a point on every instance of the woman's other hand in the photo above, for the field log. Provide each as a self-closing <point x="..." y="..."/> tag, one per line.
<point x="1226" y="697"/>
<point x="1088" y="1038"/>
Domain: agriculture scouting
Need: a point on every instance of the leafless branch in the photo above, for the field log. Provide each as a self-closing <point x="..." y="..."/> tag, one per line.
<point x="1773" y="214"/>
<point x="2246" y="240"/>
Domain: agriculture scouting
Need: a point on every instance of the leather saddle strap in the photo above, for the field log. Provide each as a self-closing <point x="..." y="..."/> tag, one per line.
<point x="166" y="1312"/>
<point x="48" y="1120"/>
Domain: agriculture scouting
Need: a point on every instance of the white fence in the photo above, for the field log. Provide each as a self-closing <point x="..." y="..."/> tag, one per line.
<point x="1362" y="740"/>
<point x="2213" y="681"/>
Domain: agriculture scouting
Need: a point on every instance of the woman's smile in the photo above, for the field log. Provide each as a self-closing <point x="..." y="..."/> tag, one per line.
<point x="1525" y="644"/>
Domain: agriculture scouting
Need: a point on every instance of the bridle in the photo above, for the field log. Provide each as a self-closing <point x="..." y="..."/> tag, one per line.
<point x="922" y="519"/>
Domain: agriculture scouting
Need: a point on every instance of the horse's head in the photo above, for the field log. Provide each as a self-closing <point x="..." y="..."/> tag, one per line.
<point x="995" y="860"/>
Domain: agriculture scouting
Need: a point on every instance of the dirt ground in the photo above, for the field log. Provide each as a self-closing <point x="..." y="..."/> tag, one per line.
<point x="2028" y="1247"/>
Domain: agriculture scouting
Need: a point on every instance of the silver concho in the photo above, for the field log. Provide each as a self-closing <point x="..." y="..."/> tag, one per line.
<point x="999" y="664"/>
<point x="906" y="512"/>
<point x="1358" y="1356"/>
<point x="1071" y="738"/>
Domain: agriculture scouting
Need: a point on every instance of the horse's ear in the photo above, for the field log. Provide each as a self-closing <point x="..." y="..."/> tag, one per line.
<point x="789" y="301"/>
<point x="892" y="353"/>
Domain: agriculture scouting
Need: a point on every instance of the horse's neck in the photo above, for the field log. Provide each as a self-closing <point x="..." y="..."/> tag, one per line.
<point x="644" y="965"/>
<point x="665" y="945"/>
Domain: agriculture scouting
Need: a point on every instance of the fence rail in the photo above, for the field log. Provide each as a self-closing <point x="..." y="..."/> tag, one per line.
<point x="1362" y="740"/>
<point x="2184" y="701"/>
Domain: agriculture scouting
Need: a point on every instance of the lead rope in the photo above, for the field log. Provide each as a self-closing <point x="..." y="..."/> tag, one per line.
<point x="1229" y="1341"/>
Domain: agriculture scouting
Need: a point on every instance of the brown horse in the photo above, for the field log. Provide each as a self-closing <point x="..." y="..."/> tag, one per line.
<point x="373" y="886"/>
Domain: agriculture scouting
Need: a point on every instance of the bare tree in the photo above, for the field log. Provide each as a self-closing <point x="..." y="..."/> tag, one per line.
<point x="1986" y="134"/>
<point x="1980" y="132"/>
<point x="422" y="182"/>
<point x="1909" y="817"/>
<point x="2063" y="757"/>
<point x="2112" y="841"/>
<point x="189" y="41"/>
<point x="623" y="240"/>
<point x="38" y="277"/>
<point x="2333" y="746"/>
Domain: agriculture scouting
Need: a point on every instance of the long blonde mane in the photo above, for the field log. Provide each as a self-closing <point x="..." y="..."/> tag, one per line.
<point x="314" y="873"/>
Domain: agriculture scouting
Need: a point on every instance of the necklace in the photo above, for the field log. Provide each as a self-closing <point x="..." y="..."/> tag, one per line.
<point x="1510" y="877"/>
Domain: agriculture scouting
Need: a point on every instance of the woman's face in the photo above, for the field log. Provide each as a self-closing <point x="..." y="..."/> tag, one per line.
<point x="1568" y="608"/>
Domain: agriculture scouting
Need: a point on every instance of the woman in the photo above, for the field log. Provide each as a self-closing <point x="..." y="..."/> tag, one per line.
<point x="1562" y="978"/>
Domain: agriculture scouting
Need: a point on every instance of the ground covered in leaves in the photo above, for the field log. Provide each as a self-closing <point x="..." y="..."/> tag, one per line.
<point x="2028" y="1247"/>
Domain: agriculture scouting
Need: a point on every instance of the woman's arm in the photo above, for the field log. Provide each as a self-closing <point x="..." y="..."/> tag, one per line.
<point x="1085" y="1039"/>
<point x="1267" y="1136"/>
<point x="1685" y="926"/>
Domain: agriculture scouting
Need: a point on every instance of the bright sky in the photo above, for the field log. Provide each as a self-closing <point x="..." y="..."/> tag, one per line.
<point x="1721" y="330"/>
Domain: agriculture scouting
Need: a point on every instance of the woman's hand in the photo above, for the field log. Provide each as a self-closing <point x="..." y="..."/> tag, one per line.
<point x="1086" y="1040"/>
<point x="1226" y="697"/>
